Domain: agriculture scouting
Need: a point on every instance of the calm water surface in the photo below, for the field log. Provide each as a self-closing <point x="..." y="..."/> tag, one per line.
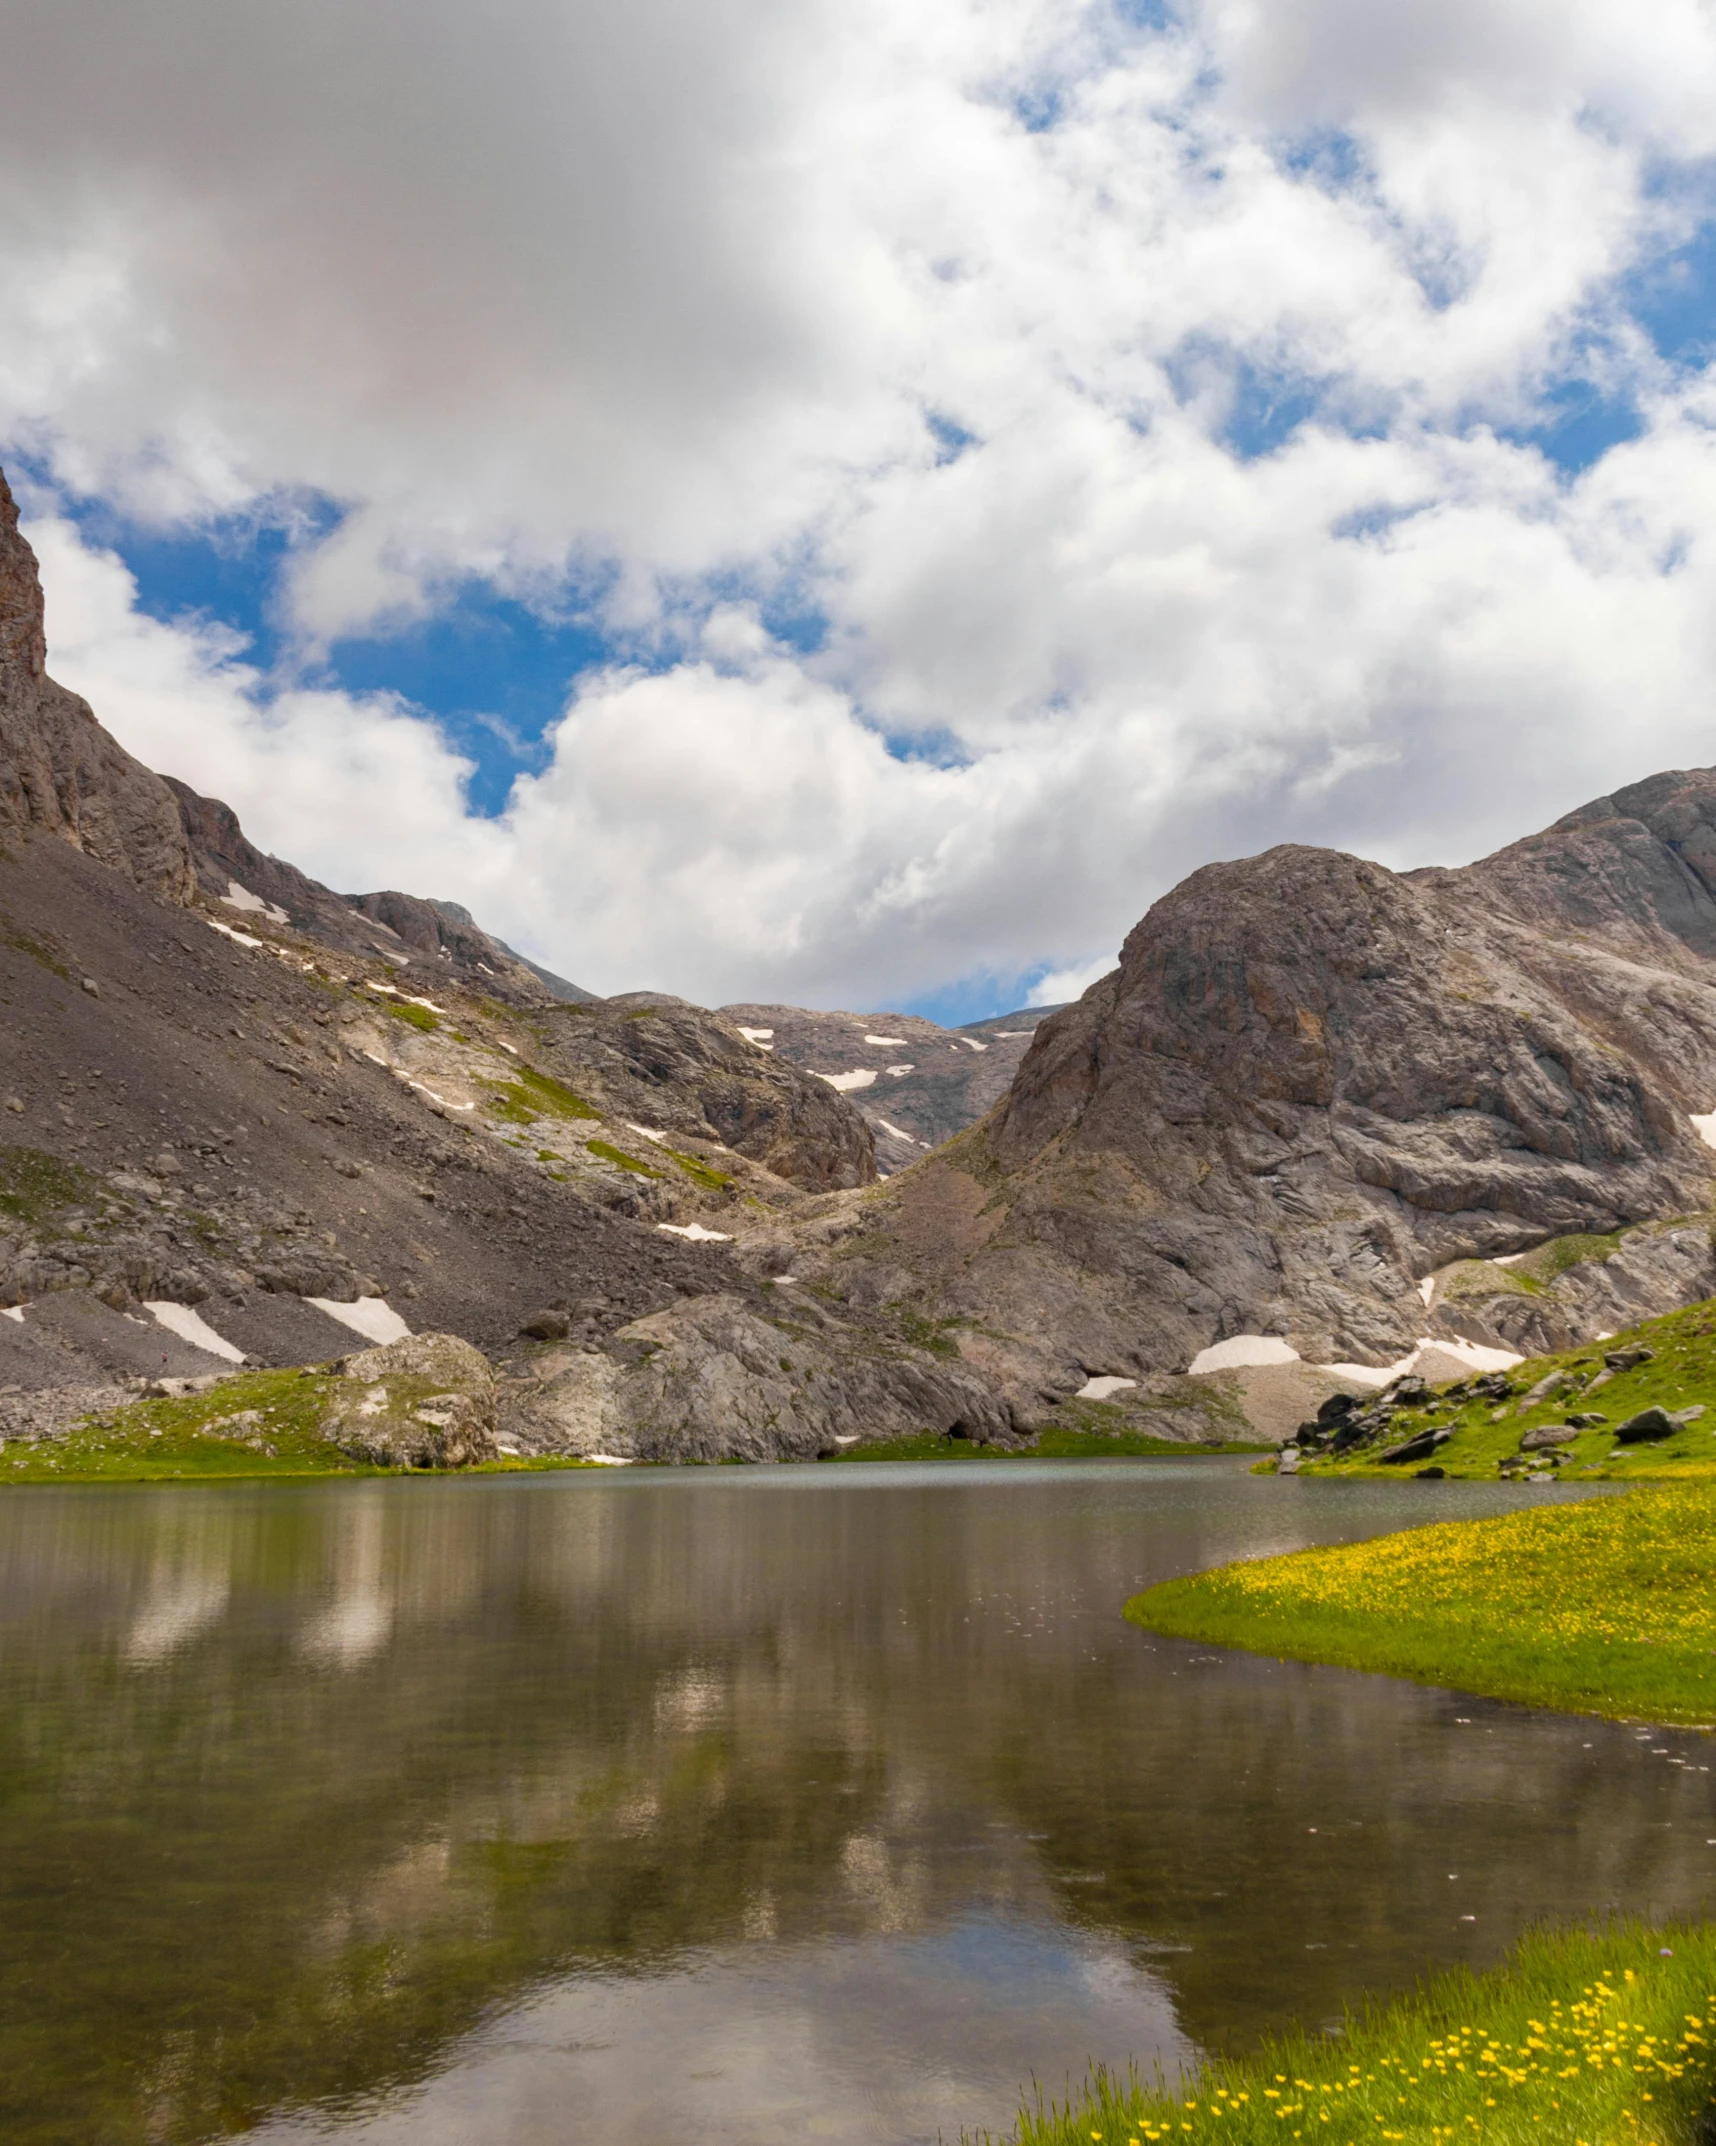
<point x="737" y="1806"/>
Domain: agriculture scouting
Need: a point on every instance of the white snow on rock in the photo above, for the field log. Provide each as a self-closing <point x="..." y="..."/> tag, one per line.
<point x="1427" y="1287"/>
<point x="423" y="1088"/>
<point x="1013" y="1035"/>
<point x="13" y="1311"/>
<point x="898" y="1072"/>
<point x="237" y="897"/>
<point x="1241" y="1352"/>
<point x="759" y="1036"/>
<point x="862" y="1078"/>
<point x="1246" y="1351"/>
<point x="181" y="1320"/>
<point x="971" y="1043"/>
<point x="896" y="1132"/>
<point x="239" y="938"/>
<point x="696" y="1232"/>
<point x="609" y="1460"/>
<point x="1705" y="1128"/>
<point x="888" y="1043"/>
<point x="644" y="1132"/>
<point x="372" y="1317"/>
<point x="1100" y="1389"/>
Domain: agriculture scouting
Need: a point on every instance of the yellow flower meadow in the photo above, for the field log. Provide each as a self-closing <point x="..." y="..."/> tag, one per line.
<point x="1605" y="1606"/>
<point x="1579" y="2041"/>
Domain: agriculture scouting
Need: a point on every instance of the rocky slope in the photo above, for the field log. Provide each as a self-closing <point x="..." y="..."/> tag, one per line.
<point x="1311" y="1087"/>
<point x="915" y="1084"/>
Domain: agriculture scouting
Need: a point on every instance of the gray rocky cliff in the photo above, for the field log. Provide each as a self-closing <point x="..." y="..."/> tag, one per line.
<point x="60" y="772"/>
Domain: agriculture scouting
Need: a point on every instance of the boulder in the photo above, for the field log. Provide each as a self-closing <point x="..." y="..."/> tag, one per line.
<point x="1628" y="1359"/>
<point x="425" y="1402"/>
<point x="1545" y="1440"/>
<point x="1649" y="1425"/>
<point x="1419" y="1448"/>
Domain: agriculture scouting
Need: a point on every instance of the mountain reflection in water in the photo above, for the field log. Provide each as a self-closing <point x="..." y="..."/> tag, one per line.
<point x="751" y="1805"/>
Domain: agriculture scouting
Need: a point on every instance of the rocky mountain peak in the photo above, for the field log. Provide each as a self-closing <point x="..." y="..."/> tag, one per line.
<point x="60" y="772"/>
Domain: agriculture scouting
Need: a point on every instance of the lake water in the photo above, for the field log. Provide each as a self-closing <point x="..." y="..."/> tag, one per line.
<point x="727" y="1805"/>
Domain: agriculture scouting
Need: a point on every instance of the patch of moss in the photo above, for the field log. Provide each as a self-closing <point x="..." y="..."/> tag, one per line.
<point x="1483" y="1278"/>
<point x="530" y="1095"/>
<point x="418" y="1016"/>
<point x="609" y="1153"/>
<point x="195" y="1436"/>
<point x="934" y="1335"/>
<point x="700" y="1172"/>
<point x="34" y="1184"/>
<point x="1561" y="1253"/>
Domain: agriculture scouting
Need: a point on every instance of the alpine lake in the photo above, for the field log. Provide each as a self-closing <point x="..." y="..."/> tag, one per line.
<point x="730" y="1806"/>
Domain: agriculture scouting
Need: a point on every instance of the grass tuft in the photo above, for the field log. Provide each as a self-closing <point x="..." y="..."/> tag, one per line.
<point x="33" y="1185"/>
<point x="1580" y="2037"/>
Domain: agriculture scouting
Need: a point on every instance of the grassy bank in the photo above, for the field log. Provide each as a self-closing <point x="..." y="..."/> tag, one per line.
<point x="1580" y="2040"/>
<point x="1604" y="1606"/>
<point x="260" y="1424"/>
<point x="1680" y="1373"/>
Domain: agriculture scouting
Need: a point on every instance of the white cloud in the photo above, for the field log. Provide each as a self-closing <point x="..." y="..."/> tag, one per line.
<point x="663" y="296"/>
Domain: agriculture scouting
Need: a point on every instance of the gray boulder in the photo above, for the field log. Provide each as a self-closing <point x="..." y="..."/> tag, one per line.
<point x="425" y="1402"/>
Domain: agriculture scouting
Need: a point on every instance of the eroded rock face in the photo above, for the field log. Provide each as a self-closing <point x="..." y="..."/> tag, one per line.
<point x="426" y="1402"/>
<point x="60" y="772"/>
<point x="684" y="1072"/>
<point x="715" y="1379"/>
<point x="1311" y="1083"/>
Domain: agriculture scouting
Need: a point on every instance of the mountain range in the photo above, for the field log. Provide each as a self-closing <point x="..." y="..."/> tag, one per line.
<point x="1320" y="1117"/>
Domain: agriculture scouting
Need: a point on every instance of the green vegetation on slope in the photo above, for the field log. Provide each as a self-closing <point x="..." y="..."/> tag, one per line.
<point x="1680" y="1373"/>
<point x="1603" y="1606"/>
<point x="1579" y="2038"/>
<point x="530" y="1095"/>
<point x="33" y="1185"/>
<point x="261" y="1423"/>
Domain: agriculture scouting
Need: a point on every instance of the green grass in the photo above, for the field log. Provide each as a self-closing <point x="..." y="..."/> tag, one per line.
<point x="1600" y="1606"/>
<point x="1054" y="1442"/>
<point x="34" y="1185"/>
<point x="418" y="1016"/>
<point x="530" y="1095"/>
<point x="192" y="1440"/>
<point x="700" y="1172"/>
<point x="1487" y="1432"/>
<point x="609" y="1153"/>
<point x="1581" y="2039"/>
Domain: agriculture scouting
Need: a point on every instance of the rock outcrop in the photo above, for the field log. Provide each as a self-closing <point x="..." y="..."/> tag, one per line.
<point x="915" y="1084"/>
<point x="60" y="772"/>
<point x="425" y="1402"/>
<point x="1311" y="1084"/>
<point x="719" y="1378"/>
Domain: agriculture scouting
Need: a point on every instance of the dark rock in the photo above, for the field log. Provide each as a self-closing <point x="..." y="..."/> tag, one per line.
<point x="1410" y="1449"/>
<point x="1338" y="1407"/>
<point x="1628" y="1359"/>
<point x="1649" y="1425"/>
<point x="1544" y="1441"/>
<point x="1430" y="1475"/>
<point x="546" y="1326"/>
<point x="1588" y="1420"/>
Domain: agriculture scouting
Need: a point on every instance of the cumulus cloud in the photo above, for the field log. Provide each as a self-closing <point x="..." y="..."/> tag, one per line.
<point x="957" y="326"/>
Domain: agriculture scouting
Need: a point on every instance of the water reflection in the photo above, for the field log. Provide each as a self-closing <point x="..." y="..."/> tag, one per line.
<point x="810" y="1803"/>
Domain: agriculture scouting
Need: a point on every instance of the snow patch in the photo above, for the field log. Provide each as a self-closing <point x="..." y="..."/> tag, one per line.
<point x="1013" y="1035"/>
<point x="644" y="1132"/>
<point x="13" y="1311"/>
<point x="1427" y="1287"/>
<point x="896" y="1133"/>
<point x="423" y="1088"/>
<point x="696" y="1232"/>
<point x="888" y="1043"/>
<point x="1474" y="1355"/>
<point x="899" y="1072"/>
<point x="181" y="1320"/>
<point x="971" y="1043"/>
<point x="1242" y="1352"/>
<point x="609" y="1460"/>
<point x="372" y="1317"/>
<point x="1100" y="1389"/>
<point x="1705" y="1128"/>
<point x="862" y="1078"/>
<point x="239" y="938"/>
<point x="237" y="897"/>
<point x="759" y="1036"/>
